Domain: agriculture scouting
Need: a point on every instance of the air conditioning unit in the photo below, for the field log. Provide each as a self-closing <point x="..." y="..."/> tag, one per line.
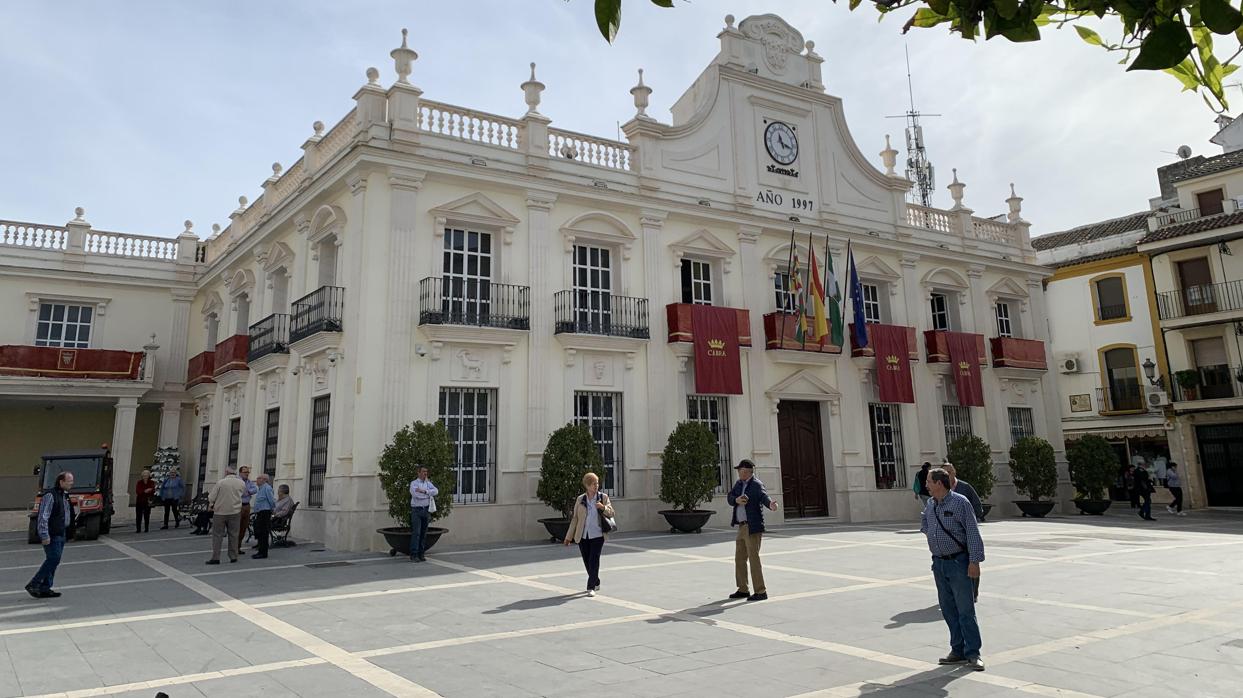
<point x="1068" y="363"/>
<point x="1158" y="398"/>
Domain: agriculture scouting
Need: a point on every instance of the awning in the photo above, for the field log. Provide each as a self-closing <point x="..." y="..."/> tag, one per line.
<point x="1120" y="433"/>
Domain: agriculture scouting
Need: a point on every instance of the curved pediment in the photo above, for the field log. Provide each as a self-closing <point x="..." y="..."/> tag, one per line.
<point x="599" y="226"/>
<point x="944" y="277"/>
<point x="327" y="220"/>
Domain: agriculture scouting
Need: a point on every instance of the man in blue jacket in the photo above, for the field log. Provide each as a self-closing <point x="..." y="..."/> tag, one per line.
<point x="748" y="499"/>
<point x="53" y="522"/>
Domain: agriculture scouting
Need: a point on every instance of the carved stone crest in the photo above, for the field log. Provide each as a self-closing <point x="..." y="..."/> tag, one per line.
<point x="778" y="38"/>
<point x="471" y="366"/>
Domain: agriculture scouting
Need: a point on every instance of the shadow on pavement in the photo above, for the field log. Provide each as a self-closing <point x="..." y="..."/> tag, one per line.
<point x="931" y="614"/>
<point x="534" y="604"/>
<point x="929" y="683"/>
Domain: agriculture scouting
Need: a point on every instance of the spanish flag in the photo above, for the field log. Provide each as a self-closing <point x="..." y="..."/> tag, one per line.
<point x="819" y="316"/>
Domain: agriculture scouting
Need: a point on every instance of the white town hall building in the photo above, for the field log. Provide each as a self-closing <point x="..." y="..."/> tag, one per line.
<point x="426" y="261"/>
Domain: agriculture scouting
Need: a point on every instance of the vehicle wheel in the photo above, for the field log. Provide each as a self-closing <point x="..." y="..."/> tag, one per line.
<point x="90" y="529"/>
<point x="32" y="533"/>
<point x="106" y="525"/>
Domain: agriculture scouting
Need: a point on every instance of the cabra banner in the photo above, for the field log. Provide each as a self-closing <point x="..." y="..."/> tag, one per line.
<point x="718" y="366"/>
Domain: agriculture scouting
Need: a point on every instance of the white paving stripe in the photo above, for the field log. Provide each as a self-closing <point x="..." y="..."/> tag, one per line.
<point x="92" y="585"/>
<point x="62" y="564"/>
<point x="504" y="635"/>
<point x="381" y="678"/>
<point x="187" y="678"/>
<point x="111" y="621"/>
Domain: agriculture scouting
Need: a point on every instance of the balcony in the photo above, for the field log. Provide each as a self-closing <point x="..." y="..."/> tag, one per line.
<point x="1201" y="300"/>
<point x="593" y="312"/>
<point x="678" y="315"/>
<point x="1011" y="352"/>
<point x="201" y="368"/>
<point x="320" y="311"/>
<point x="474" y="302"/>
<point x="1175" y="217"/>
<point x="936" y="343"/>
<point x="1220" y="382"/>
<point x="1122" y="398"/>
<point x="57" y="362"/>
<point x="269" y="336"/>
<point x="231" y="354"/>
<point x="781" y="332"/>
<point x="856" y="351"/>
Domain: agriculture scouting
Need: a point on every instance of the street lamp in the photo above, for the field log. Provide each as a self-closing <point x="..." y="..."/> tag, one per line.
<point x="1150" y="372"/>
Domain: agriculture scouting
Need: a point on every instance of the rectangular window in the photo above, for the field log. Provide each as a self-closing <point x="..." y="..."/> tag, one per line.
<point x="235" y="437"/>
<point x="957" y="423"/>
<point x="204" y="440"/>
<point x="593" y="288"/>
<point x="887" y="445"/>
<point x="1021" y="424"/>
<point x="871" y="303"/>
<point x="1004" y="328"/>
<point x="64" y="325"/>
<point x="270" y="442"/>
<point x="1210" y="202"/>
<point x="1110" y="298"/>
<point x="713" y="412"/>
<point x="470" y="416"/>
<point x="466" y="293"/>
<point x="696" y="282"/>
<point x="317" y="468"/>
<point x="940" y="312"/>
<point x="602" y="413"/>
<point x="781" y="289"/>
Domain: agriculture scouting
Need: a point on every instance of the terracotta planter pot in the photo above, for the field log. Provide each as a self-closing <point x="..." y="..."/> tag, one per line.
<point x="686" y="521"/>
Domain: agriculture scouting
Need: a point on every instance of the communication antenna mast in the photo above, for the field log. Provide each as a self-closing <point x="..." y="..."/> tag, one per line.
<point x="918" y="170"/>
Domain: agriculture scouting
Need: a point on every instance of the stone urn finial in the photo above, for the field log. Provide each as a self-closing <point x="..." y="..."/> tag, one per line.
<point x="78" y="213"/>
<point x="403" y="59"/>
<point x="531" y="92"/>
<point x="373" y="76"/>
<point x="318" y="128"/>
<point x="642" y="94"/>
<point x="889" y="158"/>
<point x="1016" y="206"/>
<point x="956" y="188"/>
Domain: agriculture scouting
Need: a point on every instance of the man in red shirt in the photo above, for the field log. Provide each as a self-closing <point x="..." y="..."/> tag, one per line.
<point x="144" y="495"/>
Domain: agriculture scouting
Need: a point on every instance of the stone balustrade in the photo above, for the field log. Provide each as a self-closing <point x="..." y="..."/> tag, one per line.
<point x="469" y="125"/>
<point x="36" y="235"/>
<point x="589" y="150"/>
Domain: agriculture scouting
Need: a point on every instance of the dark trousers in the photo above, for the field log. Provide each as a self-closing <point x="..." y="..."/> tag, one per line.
<point x="142" y="516"/>
<point x="956" y="596"/>
<point x="51" y="559"/>
<point x="202" y="523"/>
<point x="591" y="549"/>
<point x="174" y="506"/>
<point x="1177" y="504"/>
<point x="1134" y="495"/>
<point x="420" y="518"/>
<point x="263" y="529"/>
<point x="1145" y="507"/>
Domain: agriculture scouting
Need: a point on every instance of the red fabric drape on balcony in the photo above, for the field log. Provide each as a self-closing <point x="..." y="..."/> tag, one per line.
<point x="965" y="364"/>
<point x="55" y="362"/>
<point x="893" y="363"/>
<point x="718" y="365"/>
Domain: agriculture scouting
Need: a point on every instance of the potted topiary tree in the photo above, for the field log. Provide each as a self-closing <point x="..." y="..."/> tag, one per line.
<point x="973" y="462"/>
<point x="415" y="446"/>
<point x="688" y="475"/>
<point x="1093" y="467"/>
<point x="1035" y="474"/>
<point x="570" y="454"/>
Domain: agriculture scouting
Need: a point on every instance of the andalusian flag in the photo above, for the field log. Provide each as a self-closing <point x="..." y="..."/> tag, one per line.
<point x="835" y="301"/>
<point x="819" y="317"/>
<point x="800" y="306"/>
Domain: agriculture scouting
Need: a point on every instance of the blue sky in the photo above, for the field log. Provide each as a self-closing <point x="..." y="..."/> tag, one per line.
<point x="150" y="112"/>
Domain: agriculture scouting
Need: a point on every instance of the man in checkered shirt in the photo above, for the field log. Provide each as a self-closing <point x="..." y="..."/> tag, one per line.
<point x="957" y="551"/>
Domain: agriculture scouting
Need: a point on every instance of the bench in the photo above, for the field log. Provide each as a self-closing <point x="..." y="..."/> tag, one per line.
<point x="281" y="528"/>
<point x="198" y="506"/>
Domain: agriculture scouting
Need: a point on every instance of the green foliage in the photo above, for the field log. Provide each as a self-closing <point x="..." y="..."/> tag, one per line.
<point x="1174" y="36"/>
<point x="973" y="461"/>
<point x="1093" y="466"/>
<point x="1188" y="379"/>
<point x="1033" y="468"/>
<point x="688" y="466"/>
<point x="419" y="444"/>
<point x="570" y="454"/>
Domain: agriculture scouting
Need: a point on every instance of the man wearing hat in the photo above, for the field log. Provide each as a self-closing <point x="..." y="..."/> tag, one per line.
<point x="748" y="499"/>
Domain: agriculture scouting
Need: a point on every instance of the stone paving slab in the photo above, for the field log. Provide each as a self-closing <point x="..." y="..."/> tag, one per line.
<point x="1100" y="606"/>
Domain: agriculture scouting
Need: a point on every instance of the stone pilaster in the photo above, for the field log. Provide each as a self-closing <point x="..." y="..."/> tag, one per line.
<point x="757" y="297"/>
<point x="123" y="424"/>
<point x="543" y="256"/>
<point x="402" y="297"/>
<point x="656" y="273"/>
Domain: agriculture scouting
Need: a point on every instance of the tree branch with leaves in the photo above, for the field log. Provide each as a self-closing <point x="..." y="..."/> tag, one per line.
<point x="1173" y="36"/>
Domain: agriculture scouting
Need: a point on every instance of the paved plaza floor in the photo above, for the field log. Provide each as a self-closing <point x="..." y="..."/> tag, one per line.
<point x="1076" y="606"/>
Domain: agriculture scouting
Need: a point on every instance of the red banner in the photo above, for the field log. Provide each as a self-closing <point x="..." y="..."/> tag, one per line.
<point x="55" y="362"/>
<point x="965" y="364"/>
<point x="893" y="363"/>
<point x="718" y="366"/>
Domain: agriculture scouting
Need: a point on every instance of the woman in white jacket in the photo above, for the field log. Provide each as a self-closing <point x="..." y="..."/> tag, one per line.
<point x="587" y="528"/>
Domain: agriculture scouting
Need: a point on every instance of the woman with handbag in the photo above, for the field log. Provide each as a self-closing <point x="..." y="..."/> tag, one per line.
<point x="592" y="519"/>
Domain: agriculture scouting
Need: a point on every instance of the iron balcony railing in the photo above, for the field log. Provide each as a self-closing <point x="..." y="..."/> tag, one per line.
<point x="1198" y="300"/>
<point x="1122" y="397"/>
<point x="455" y="300"/>
<point x="594" y="312"/>
<point x="319" y="311"/>
<point x="1214" y="383"/>
<point x="1112" y="312"/>
<point x="269" y="336"/>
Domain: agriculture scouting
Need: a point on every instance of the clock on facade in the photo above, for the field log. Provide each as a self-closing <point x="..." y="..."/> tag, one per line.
<point x="781" y="142"/>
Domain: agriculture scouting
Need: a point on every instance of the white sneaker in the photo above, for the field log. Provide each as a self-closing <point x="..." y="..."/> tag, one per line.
<point x="1182" y="513"/>
<point x="1170" y="509"/>
<point x="591" y="592"/>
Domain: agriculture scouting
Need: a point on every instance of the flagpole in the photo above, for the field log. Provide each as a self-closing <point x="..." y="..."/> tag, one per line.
<point x="781" y="341"/>
<point x="825" y="278"/>
<point x="848" y="287"/>
<point x="808" y="284"/>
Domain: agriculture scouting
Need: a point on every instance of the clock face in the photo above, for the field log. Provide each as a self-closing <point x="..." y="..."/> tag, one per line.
<point x="781" y="142"/>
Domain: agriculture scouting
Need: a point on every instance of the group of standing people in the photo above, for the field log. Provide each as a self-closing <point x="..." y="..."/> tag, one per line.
<point x="147" y="493"/>
<point x="231" y="503"/>
<point x="1140" y="486"/>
